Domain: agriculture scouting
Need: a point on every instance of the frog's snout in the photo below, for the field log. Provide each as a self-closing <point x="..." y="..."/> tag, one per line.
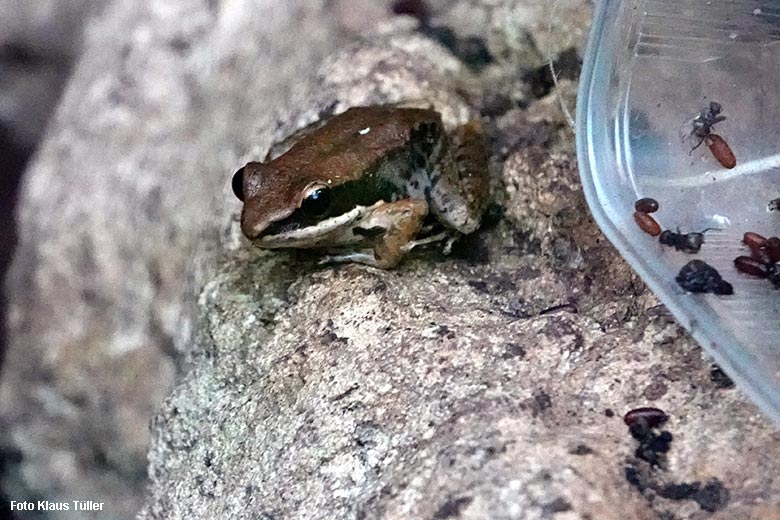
<point x="258" y="218"/>
<point x="253" y="222"/>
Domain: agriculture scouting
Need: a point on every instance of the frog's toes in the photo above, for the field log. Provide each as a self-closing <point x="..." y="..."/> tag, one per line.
<point x="438" y="237"/>
<point x="448" y="243"/>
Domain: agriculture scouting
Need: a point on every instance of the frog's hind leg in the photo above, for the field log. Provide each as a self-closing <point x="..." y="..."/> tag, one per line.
<point x="390" y="229"/>
<point x="460" y="182"/>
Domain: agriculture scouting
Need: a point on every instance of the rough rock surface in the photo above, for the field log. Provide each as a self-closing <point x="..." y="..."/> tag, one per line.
<point x="490" y="384"/>
<point x="487" y="384"/>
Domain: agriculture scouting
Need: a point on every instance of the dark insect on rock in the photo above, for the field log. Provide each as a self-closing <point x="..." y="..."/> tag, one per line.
<point x="647" y="415"/>
<point x="714" y="496"/>
<point x="719" y="377"/>
<point x="652" y="446"/>
<point x="647" y="223"/>
<point x="685" y="242"/>
<point x="646" y="205"/>
<point x="751" y="266"/>
<point x="699" y="277"/>
<point x="471" y="50"/>
<point x="774" y="205"/>
<point x="721" y="151"/>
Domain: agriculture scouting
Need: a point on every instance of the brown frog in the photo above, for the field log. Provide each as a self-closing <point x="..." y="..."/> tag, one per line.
<point x="363" y="183"/>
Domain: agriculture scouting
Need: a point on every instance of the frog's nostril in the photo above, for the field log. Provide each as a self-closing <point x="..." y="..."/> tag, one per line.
<point x="238" y="184"/>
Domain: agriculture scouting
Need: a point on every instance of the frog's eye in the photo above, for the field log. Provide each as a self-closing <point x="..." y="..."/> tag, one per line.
<point x="238" y="184"/>
<point x="316" y="200"/>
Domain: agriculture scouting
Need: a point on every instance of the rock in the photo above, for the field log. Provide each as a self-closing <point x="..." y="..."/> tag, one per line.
<point x="349" y="392"/>
<point x="487" y="384"/>
<point x="483" y="385"/>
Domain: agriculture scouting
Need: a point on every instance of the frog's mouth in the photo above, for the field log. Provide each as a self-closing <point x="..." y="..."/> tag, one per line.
<point x="333" y="231"/>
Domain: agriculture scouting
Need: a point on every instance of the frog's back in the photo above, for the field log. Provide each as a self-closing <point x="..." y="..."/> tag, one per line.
<point x="393" y="124"/>
<point x="354" y="141"/>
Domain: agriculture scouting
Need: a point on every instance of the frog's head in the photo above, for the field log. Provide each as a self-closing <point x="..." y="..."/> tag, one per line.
<point x="313" y="194"/>
<point x="282" y="210"/>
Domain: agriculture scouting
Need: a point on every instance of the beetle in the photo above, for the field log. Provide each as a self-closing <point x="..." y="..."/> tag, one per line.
<point x="685" y="242"/>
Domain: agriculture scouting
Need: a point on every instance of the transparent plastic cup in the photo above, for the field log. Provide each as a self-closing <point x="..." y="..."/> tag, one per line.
<point x="650" y="68"/>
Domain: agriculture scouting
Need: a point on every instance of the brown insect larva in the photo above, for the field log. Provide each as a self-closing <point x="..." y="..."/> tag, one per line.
<point x="751" y="266"/>
<point x="753" y="240"/>
<point x="647" y="223"/>
<point x="721" y="150"/>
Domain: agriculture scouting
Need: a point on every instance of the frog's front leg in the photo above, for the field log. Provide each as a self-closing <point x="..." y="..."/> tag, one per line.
<point x="390" y="229"/>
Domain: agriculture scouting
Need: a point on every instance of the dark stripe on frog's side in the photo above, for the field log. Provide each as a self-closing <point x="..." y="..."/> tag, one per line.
<point x="363" y="192"/>
<point x="371" y="232"/>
